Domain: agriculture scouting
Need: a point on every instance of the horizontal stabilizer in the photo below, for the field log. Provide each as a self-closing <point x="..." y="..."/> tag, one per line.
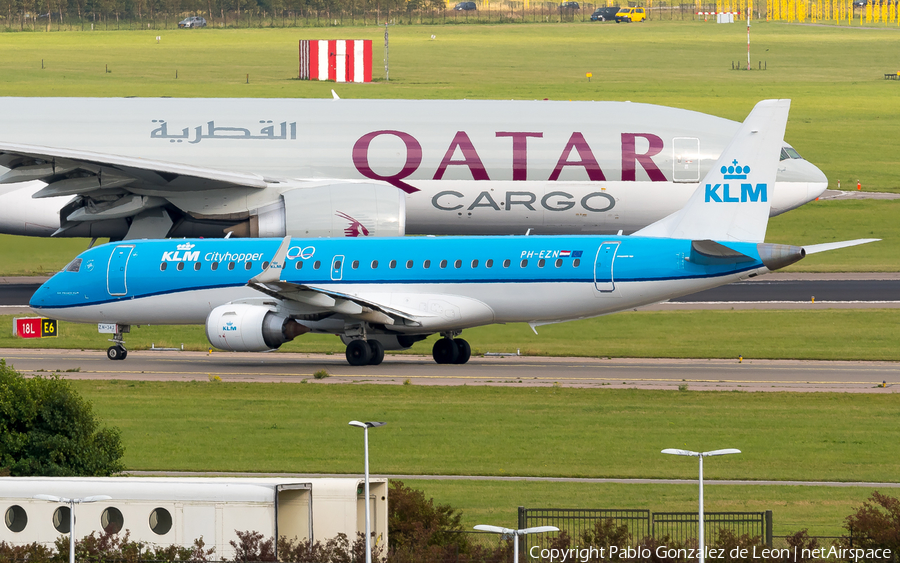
<point x="814" y="248"/>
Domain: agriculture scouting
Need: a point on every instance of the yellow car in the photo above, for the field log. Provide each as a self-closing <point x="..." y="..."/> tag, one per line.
<point x="631" y="15"/>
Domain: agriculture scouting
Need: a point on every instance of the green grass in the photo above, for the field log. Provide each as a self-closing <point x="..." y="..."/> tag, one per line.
<point x="844" y="116"/>
<point x="820" y="509"/>
<point x="837" y="334"/>
<point x="526" y="431"/>
<point x="500" y="431"/>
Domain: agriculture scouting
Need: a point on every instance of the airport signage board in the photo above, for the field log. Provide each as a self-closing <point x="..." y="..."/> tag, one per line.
<point x="35" y="327"/>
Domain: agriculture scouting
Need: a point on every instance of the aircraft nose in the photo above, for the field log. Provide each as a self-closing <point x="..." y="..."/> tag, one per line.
<point x="38" y="299"/>
<point x="798" y="181"/>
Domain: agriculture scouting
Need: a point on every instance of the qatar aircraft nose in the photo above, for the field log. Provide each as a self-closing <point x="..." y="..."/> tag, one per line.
<point x="798" y="181"/>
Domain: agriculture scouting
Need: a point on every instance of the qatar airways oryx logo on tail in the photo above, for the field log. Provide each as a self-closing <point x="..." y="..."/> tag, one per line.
<point x="729" y="194"/>
<point x="183" y="254"/>
<point x="355" y="228"/>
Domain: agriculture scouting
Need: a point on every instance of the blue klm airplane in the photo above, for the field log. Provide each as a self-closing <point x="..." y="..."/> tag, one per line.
<point x="378" y="294"/>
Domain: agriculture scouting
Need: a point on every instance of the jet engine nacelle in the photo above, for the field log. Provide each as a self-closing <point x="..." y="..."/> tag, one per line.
<point x="241" y="327"/>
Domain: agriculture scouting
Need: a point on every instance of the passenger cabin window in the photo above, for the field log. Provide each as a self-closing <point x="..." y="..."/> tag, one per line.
<point x="541" y="263"/>
<point x="231" y="265"/>
<point x="214" y="266"/>
<point x="426" y="264"/>
<point x="180" y="266"/>
<point x="162" y="266"/>
<point x="474" y="263"/>
<point x="196" y="266"/>
<point x="443" y="263"/>
<point x="558" y="262"/>
<point x="393" y="264"/>
<point x="576" y="262"/>
<point x="336" y="265"/>
<point x="16" y="518"/>
<point x="457" y="264"/>
<point x="265" y="265"/>
<point x="316" y="264"/>
<point x="298" y="265"/>
<point x="74" y="265"/>
<point x="506" y="263"/>
<point x="489" y="264"/>
<point x="374" y="264"/>
<point x="523" y="263"/>
<point x="409" y="264"/>
<point x="355" y="264"/>
<point x="248" y="264"/>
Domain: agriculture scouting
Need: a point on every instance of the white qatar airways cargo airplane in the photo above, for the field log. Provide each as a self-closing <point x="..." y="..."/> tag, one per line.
<point x="131" y="168"/>
<point x="378" y="293"/>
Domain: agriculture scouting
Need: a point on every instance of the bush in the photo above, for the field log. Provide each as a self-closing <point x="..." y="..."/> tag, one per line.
<point x="48" y="430"/>
<point x="876" y="524"/>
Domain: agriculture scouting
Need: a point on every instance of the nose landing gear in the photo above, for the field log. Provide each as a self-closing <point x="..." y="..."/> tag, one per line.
<point x="118" y="351"/>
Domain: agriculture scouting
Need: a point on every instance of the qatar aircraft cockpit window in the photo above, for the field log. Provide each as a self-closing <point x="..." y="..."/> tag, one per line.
<point x="74" y="265"/>
<point x="790" y="152"/>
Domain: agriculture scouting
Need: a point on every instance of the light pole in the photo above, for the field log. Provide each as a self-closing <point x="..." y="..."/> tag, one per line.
<point x="72" y="502"/>
<point x="700" y="456"/>
<point x="365" y="426"/>
<point x="515" y="534"/>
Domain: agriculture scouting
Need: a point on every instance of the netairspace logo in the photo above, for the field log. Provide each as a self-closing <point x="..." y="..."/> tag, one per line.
<point x="585" y="554"/>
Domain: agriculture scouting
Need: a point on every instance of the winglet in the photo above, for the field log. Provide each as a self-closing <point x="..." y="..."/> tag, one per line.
<point x="733" y="200"/>
<point x="272" y="273"/>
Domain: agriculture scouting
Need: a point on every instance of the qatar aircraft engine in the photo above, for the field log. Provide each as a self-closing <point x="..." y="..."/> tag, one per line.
<point x="388" y="293"/>
<point x="128" y="168"/>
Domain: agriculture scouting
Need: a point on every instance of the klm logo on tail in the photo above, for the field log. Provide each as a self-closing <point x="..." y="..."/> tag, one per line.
<point x="748" y="191"/>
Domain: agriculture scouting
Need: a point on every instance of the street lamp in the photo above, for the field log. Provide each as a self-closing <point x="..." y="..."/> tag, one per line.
<point x="72" y="502"/>
<point x="515" y="534"/>
<point x="365" y="426"/>
<point x="701" y="455"/>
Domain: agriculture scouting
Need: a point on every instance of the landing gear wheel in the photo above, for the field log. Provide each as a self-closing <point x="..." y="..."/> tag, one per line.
<point x="116" y="353"/>
<point x="377" y="349"/>
<point x="465" y="351"/>
<point x="358" y="353"/>
<point x="445" y="351"/>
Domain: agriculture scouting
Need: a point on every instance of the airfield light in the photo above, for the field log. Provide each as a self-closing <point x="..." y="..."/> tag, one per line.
<point x="72" y="502"/>
<point x="365" y="426"/>
<point x="701" y="455"/>
<point x="515" y="534"/>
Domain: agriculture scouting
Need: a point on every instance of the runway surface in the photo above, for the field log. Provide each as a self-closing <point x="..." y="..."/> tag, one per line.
<point x="772" y="291"/>
<point x="668" y="374"/>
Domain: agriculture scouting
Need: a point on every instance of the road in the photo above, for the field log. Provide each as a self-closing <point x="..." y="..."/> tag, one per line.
<point x="515" y="371"/>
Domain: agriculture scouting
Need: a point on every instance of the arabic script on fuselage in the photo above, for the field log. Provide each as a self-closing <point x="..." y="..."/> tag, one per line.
<point x="285" y="131"/>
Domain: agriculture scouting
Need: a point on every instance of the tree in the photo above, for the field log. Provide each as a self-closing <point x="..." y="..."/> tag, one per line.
<point x="47" y="429"/>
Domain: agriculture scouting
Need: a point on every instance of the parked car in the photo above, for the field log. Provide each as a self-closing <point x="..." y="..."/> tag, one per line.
<point x="607" y="14"/>
<point x="192" y="22"/>
<point x="631" y="15"/>
<point x="569" y="7"/>
<point x="465" y="6"/>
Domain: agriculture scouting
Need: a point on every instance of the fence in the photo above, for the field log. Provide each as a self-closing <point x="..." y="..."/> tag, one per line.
<point x="677" y="527"/>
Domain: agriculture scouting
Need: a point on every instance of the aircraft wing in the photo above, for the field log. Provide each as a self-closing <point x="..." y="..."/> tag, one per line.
<point x="75" y="172"/>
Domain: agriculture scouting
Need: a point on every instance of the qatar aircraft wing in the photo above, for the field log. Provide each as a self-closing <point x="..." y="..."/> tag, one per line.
<point x="136" y="168"/>
<point x="255" y="295"/>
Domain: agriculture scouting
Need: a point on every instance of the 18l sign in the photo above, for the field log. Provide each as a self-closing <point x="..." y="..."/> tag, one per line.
<point x="35" y="327"/>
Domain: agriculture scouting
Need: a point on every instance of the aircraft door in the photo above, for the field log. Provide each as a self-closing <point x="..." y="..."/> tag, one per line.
<point x="603" y="267"/>
<point x="116" y="270"/>
<point x="337" y="267"/>
<point x="686" y="159"/>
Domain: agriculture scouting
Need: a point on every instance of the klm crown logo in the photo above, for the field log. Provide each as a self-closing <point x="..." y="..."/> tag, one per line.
<point x="188" y="246"/>
<point x="726" y="193"/>
<point x="735" y="172"/>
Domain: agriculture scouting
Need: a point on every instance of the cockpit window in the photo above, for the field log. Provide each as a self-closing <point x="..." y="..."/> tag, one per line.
<point x="74" y="265"/>
<point x="790" y="152"/>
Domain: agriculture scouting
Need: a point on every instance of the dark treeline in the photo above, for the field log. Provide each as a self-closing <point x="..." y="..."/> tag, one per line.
<point x="54" y="15"/>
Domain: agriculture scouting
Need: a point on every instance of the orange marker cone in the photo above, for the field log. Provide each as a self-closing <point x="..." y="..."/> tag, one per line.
<point x="858" y="186"/>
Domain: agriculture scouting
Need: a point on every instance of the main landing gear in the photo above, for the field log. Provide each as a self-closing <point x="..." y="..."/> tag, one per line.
<point x="118" y="351"/>
<point x="365" y="352"/>
<point x="449" y="350"/>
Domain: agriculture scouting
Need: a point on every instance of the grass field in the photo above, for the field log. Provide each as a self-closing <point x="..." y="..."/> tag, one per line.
<point x="829" y="334"/>
<point x="844" y="116"/>
<point x="524" y="431"/>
